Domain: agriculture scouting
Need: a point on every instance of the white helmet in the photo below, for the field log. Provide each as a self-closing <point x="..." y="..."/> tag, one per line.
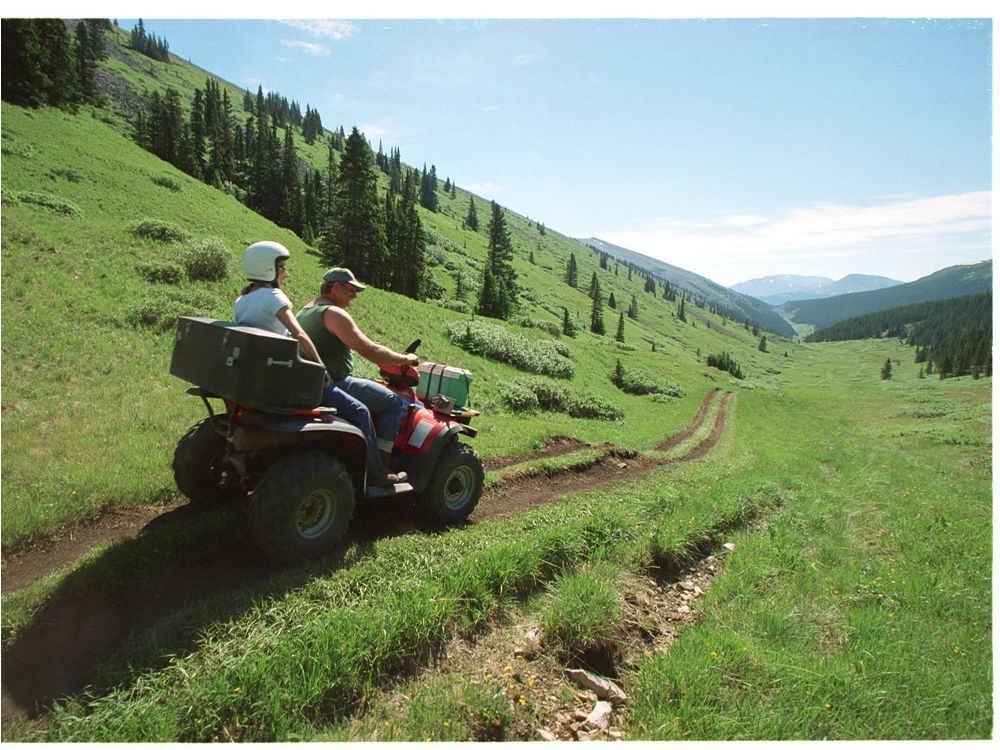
<point x="260" y="259"/>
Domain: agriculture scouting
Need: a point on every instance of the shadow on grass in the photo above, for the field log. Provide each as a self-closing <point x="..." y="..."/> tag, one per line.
<point x="144" y="601"/>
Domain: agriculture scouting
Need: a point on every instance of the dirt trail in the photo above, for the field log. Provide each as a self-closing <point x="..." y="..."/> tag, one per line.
<point x="77" y="630"/>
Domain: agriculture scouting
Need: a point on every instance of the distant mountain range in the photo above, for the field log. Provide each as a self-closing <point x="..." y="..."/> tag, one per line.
<point x="776" y="290"/>
<point x="735" y="305"/>
<point x="955" y="281"/>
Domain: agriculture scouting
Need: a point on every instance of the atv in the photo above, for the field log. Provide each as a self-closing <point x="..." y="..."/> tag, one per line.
<point x="298" y="466"/>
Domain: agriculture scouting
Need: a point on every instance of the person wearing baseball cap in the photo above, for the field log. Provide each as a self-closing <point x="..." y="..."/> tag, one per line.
<point x="337" y="336"/>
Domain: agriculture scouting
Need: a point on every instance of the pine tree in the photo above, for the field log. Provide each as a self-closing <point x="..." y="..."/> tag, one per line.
<point x="571" y="271"/>
<point x="887" y="370"/>
<point x="499" y="263"/>
<point x="357" y="233"/>
<point x="86" y="60"/>
<point x="568" y="328"/>
<point x="763" y="344"/>
<point x="291" y="204"/>
<point x="597" y="307"/>
<point x="471" y="219"/>
<point x="198" y="134"/>
<point x="612" y="302"/>
<point x="618" y="375"/>
<point x="633" y="309"/>
<point x="620" y="335"/>
<point x="680" y="311"/>
<point x="408" y="247"/>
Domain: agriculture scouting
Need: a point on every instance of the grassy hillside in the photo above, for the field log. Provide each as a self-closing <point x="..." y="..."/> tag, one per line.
<point x="956" y="281"/>
<point x="87" y="338"/>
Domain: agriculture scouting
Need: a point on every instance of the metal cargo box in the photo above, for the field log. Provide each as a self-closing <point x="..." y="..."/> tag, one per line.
<point x="247" y="365"/>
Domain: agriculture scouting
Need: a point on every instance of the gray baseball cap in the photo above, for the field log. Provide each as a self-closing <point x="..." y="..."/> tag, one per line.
<point x="343" y="274"/>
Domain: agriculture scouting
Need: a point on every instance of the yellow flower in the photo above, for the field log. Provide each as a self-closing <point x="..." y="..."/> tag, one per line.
<point x="531" y="681"/>
<point x="828" y="706"/>
<point x="521" y="700"/>
<point x="714" y="654"/>
<point x="236" y="690"/>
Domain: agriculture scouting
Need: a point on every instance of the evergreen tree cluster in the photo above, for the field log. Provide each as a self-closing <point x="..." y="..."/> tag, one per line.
<point x="43" y="65"/>
<point x="149" y="45"/>
<point x="956" y="335"/>
<point x="253" y="160"/>
<point x="382" y="242"/>
<point x="280" y="110"/>
<point x="725" y="363"/>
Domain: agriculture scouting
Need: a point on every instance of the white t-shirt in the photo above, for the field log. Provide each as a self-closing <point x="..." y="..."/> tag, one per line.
<point x="260" y="309"/>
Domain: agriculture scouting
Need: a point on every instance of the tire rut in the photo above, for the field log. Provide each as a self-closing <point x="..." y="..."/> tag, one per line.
<point x="75" y="631"/>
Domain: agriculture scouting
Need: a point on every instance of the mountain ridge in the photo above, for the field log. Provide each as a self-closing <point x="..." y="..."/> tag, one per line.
<point x="950" y="282"/>
<point x="777" y="289"/>
<point x="739" y="307"/>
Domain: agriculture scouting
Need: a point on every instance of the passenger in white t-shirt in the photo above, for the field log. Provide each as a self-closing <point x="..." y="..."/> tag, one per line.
<point x="262" y="304"/>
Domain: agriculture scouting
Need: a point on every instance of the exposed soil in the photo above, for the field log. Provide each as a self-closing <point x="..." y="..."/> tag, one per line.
<point x="513" y="659"/>
<point x="75" y="632"/>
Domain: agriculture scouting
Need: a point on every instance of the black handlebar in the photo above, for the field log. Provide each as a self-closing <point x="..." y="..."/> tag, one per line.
<point x="412" y="347"/>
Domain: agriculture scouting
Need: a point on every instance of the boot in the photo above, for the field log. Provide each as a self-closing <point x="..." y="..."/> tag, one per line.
<point x="385" y="478"/>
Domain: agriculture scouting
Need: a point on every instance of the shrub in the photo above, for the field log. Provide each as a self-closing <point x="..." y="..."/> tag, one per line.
<point x="518" y="397"/>
<point x="458" y="305"/>
<point x="166" y="181"/>
<point x="640" y="384"/>
<point x="12" y="148"/>
<point x="496" y="342"/>
<point x="67" y="173"/>
<point x="153" y="229"/>
<point x="161" y="272"/>
<point x="159" y="310"/>
<point x="553" y="329"/>
<point x="528" y="394"/>
<point x="206" y="260"/>
<point x="45" y="200"/>
<point x="588" y="406"/>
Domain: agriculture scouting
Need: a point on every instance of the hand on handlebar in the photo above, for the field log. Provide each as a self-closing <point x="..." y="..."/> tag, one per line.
<point x="411" y="359"/>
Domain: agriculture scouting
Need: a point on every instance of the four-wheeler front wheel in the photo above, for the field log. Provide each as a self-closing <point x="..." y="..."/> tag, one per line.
<point x="199" y="470"/>
<point x="455" y="485"/>
<point x="302" y="507"/>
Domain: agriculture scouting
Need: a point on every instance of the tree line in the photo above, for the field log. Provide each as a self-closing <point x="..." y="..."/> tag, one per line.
<point x="43" y="64"/>
<point x="953" y="336"/>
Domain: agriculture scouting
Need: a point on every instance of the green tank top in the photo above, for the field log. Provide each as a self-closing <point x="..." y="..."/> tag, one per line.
<point x="335" y="354"/>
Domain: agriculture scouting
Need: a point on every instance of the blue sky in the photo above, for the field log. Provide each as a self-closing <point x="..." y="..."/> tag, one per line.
<point x="735" y="148"/>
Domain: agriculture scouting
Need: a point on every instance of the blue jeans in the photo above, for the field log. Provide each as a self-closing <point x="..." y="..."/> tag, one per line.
<point x="385" y="407"/>
<point x="357" y="414"/>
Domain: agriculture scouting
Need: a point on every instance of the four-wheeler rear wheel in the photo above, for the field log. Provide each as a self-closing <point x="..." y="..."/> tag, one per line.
<point x="455" y="485"/>
<point x="199" y="470"/>
<point x="302" y="507"/>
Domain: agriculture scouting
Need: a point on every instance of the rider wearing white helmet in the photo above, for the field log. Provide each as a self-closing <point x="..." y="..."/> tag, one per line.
<point x="262" y="304"/>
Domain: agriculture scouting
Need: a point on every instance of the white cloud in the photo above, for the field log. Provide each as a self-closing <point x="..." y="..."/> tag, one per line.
<point x="805" y="235"/>
<point x="521" y="61"/>
<point x="490" y="108"/>
<point x="316" y="50"/>
<point x="486" y="189"/>
<point x="376" y="131"/>
<point x="324" y="27"/>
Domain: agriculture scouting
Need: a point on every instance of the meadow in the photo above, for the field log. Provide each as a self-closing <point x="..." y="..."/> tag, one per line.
<point x="856" y="603"/>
